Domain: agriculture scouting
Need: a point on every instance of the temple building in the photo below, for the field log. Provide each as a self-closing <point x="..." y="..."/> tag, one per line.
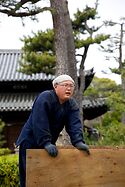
<point x="18" y="91"/>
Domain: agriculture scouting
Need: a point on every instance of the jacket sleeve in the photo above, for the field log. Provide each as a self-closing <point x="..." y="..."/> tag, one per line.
<point x="40" y="119"/>
<point x="74" y="127"/>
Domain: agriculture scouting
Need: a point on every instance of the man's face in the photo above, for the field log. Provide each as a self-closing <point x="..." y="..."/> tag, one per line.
<point x="64" y="90"/>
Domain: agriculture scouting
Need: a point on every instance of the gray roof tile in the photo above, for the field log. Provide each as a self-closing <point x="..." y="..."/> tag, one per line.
<point x="16" y="101"/>
<point x="24" y="101"/>
<point x="9" y="68"/>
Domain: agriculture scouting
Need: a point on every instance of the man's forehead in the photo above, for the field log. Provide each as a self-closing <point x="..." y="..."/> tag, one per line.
<point x="67" y="82"/>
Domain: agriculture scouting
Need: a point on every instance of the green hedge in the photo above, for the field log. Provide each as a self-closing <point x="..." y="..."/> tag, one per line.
<point x="9" y="174"/>
<point x="4" y="151"/>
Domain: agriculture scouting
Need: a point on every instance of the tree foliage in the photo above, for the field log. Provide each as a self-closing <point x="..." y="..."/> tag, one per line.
<point x="2" y="140"/>
<point x="112" y="133"/>
<point x="111" y="129"/>
<point x="115" y="49"/>
<point x="38" y="53"/>
<point x="84" y="36"/>
<point x="106" y="88"/>
<point x="102" y="87"/>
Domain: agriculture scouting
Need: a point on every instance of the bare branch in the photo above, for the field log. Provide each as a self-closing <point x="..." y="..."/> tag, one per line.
<point x="21" y="8"/>
<point x="12" y="12"/>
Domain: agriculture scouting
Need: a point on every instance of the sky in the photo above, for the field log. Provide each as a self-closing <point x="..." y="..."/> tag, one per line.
<point x="12" y="30"/>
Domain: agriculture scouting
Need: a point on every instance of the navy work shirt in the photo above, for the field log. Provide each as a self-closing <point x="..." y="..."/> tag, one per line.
<point x="48" y="118"/>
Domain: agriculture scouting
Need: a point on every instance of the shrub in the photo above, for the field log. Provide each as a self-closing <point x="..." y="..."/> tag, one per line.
<point x="112" y="133"/>
<point x="4" y="151"/>
<point x="9" y="174"/>
<point x="2" y="138"/>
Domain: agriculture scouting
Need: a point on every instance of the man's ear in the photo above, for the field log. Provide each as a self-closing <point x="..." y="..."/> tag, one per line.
<point x="55" y="86"/>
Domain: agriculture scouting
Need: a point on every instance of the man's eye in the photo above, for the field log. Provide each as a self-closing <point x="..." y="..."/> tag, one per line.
<point x="66" y="85"/>
<point x="69" y="85"/>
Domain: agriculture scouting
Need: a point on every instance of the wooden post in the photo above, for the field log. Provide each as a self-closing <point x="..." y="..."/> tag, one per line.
<point x="105" y="167"/>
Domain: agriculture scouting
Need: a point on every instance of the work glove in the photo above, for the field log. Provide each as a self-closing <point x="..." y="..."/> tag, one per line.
<point x="51" y="149"/>
<point x="83" y="147"/>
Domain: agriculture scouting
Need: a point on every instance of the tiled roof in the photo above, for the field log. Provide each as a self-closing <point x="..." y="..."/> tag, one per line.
<point x="9" y="66"/>
<point x="24" y="101"/>
<point x="92" y="103"/>
<point x="16" y="101"/>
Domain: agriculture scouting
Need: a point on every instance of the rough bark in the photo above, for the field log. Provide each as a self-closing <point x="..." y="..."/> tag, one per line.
<point x="64" y="40"/>
<point x="122" y="68"/>
<point x="64" y="47"/>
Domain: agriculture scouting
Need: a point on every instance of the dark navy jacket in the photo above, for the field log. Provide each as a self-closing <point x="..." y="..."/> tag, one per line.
<point x="47" y="119"/>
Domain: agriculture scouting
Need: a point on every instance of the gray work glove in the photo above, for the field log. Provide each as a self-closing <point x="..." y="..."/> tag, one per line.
<point x="83" y="147"/>
<point x="51" y="149"/>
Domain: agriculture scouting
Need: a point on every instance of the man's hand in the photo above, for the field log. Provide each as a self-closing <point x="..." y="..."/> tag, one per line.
<point x="51" y="149"/>
<point x="83" y="147"/>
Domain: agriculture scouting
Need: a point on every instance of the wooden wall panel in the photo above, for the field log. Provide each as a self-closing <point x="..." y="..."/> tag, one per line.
<point x="105" y="167"/>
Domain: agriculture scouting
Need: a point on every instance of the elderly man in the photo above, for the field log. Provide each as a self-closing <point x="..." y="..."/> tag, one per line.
<point x="51" y="112"/>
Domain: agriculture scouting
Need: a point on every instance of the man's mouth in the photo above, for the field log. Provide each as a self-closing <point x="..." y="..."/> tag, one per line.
<point x="68" y="93"/>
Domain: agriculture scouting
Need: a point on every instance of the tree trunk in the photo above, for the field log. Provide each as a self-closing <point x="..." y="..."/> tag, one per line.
<point x="64" y="40"/>
<point x="123" y="94"/>
<point x="64" y="48"/>
<point x="122" y="68"/>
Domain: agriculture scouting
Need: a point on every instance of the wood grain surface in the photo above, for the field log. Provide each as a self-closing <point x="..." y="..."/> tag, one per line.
<point x="104" y="167"/>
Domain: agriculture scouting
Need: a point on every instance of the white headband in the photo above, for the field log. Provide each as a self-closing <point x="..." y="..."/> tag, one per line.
<point x="62" y="78"/>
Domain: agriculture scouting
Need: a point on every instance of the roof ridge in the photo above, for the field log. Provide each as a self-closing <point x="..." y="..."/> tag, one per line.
<point x="10" y="50"/>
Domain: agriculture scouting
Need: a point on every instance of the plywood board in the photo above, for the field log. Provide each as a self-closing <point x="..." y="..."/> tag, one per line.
<point x="104" y="167"/>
